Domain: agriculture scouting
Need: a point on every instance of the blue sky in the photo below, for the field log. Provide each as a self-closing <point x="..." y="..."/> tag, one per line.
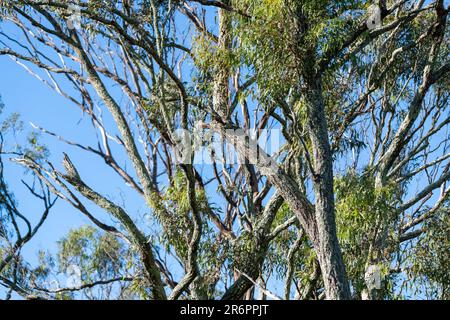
<point x="43" y="107"/>
<point x="36" y="103"/>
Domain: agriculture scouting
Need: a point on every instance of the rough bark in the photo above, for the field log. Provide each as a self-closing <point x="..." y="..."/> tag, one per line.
<point x="328" y="250"/>
<point x="222" y="70"/>
<point x="319" y="224"/>
<point x="325" y="241"/>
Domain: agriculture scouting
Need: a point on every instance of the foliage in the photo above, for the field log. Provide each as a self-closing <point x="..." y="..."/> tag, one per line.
<point x="430" y="258"/>
<point x="364" y="108"/>
<point x="363" y="216"/>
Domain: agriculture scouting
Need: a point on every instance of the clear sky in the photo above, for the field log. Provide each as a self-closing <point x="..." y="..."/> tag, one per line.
<point x="43" y="107"/>
<point x="38" y="104"/>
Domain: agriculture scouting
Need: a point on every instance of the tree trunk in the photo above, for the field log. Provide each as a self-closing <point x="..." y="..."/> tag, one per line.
<point x="328" y="250"/>
<point x="319" y="223"/>
<point x="326" y="242"/>
<point x="222" y="70"/>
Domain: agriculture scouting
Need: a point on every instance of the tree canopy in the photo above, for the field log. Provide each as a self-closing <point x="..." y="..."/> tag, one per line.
<point x="352" y="203"/>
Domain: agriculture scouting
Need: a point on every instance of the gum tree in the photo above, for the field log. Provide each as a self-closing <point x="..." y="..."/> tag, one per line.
<point x="357" y="89"/>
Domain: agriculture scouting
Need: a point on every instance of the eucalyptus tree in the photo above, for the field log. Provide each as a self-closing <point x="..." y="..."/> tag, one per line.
<point x="17" y="228"/>
<point x="354" y="204"/>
